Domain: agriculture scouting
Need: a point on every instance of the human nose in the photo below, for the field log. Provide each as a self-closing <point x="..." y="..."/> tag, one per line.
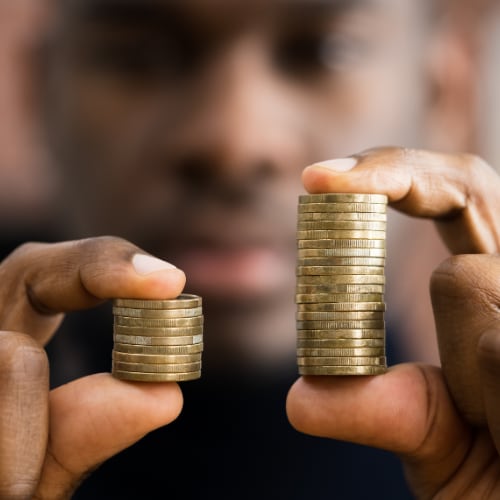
<point x="240" y="122"/>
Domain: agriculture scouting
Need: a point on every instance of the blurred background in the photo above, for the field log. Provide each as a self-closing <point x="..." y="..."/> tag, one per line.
<point x="26" y="179"/>
<point x="27" y="182"/>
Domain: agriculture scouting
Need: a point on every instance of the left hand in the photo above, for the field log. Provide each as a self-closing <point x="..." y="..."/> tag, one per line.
<point x="443" y="422"/>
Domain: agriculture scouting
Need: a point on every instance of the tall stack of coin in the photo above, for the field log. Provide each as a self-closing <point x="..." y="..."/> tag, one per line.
<point x="158" y="340"/>
<point x="340" y="284"/>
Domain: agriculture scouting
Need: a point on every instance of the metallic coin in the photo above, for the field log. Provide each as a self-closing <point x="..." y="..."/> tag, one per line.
<point x="342" y="207"/>
<point x="182" y="331"/>
<point x="342" y="216"/>
<point x="303" y="298"/>
<point x="158" y="323"/>
<point x="341" y="261"/>
<point x="185" y="300"/>
<point x="156" y="377"/>
<point x="158" y="313"/>
<point x="340" y="325"/>
<point x="352" y="244"/>
<point x="354" y="279"/>
<point x="336" y="234"/>
<point x="155" y="358"/>
<point x="343" y="198"/>
<point x="141" y="340"/>
<point x="331" y="225"/>
<point x="340" y="361"/>
<point x="345" y="333"/>
<point x="334" y="270"/>
<point x="339" y="351"/>
<point x="340" y="253"/>
<point x="336" y="343"/>
<point x="342" y="370"/>
<point x="341" y="288"/>
<point x="335" y="316"/>
<point x="156" y="367"/>
<point x="168" y="350"/>
<point x="342" y="306"/>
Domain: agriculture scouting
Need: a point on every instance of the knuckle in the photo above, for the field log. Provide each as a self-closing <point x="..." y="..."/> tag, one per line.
<point x="22" y="356"/>
<point x="468" y="281"/>
<point x="17" y="490"/>
<point x="23" y="252"/>
<point x="104" y="245"/>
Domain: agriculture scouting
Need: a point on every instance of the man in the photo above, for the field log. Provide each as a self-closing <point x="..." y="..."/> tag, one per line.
<point x="184" y="127"/>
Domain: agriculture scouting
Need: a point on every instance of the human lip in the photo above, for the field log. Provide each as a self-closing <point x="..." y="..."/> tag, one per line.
<point x="236" y="270"/>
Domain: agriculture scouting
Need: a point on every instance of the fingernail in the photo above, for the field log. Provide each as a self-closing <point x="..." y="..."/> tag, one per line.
<point x="339" y="164"/>
<point x="145" y="264"/>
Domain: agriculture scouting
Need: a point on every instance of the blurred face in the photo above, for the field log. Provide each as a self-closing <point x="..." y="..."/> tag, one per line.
<point x="183" y="126"/>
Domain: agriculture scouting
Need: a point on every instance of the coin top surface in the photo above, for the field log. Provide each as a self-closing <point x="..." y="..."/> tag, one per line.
<point x="183" y="300"/>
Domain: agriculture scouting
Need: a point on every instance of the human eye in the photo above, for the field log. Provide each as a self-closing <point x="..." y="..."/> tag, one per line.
<point x="315" y="54"/>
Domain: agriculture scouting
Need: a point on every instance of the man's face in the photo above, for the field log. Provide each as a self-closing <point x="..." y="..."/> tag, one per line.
<point x="183" y="126"/>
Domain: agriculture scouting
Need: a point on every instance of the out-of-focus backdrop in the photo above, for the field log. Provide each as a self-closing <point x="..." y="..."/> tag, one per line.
<point x="26" y="180"/>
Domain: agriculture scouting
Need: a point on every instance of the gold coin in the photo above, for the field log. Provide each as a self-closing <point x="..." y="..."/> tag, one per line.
<point x="141" y="340"/>
<point x="343" y="198"/>
<point x="185" y="300"/>
<point x="354" y="279"/>
<point x="342" y="306"/>
<point x="342" y="351"/>
<point x="342" y="288"/>
<point x="168" y="350"/>
<point x="345" y="243"/>
<point x="335" y="234"/>
<point x="156" y="367"/>
<point x="342" y="216"/>
<point x="342" y="370"/>
<point x="156" y="377"/>
<point x="158" y="313"/>
<point x="340" y="325"/>
<point x="331" y="251"/>
<point x="156" y="358"/>
<point x="158" y="323"/>
<point x="343" y="207"/>
<point x="335" y="316"/>
<point x="336" y="343"/>
<point x="340" y="361"/>
<point x="341" y="261"/>
<point x="329" y="225"/>
<point x="345" y="333"/>
<point x="335" y="270"/>
<point x="303" y="298"/>
<point x="182" y="331"/>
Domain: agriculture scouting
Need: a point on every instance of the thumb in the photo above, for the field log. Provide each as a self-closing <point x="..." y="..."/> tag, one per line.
<point x="465" y="298"/>
<point x="95" y="417"/>
<point x="489" y="366"/>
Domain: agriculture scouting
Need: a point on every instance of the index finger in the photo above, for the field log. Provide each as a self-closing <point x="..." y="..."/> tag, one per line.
<point x="40" y="281"/>
<point x="459" y="191"/>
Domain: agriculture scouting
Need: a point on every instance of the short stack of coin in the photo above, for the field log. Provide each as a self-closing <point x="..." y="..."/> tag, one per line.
<point x="340" y="284"/>
<point x="158" y="340"/>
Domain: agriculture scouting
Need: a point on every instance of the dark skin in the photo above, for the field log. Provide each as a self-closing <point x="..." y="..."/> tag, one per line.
<point x="51" y="439"/>
<point x="444" y="423"/>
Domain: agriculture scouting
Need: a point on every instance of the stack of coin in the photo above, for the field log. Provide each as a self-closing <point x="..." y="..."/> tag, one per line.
<point x="158" y="340"/>
<point x="340" y="284"/>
